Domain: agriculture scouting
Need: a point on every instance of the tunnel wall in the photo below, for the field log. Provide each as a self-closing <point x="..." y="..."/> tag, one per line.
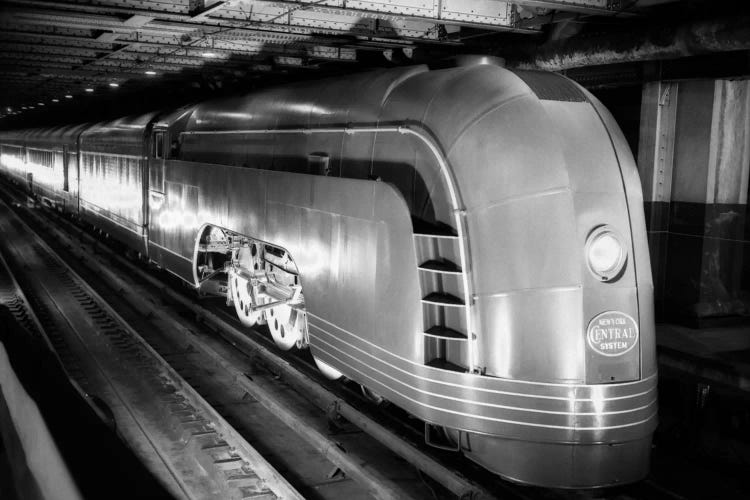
<point x="694" y="158"/>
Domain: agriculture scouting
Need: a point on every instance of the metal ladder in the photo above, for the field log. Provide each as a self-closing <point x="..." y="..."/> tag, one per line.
<point x="445" y="301"/>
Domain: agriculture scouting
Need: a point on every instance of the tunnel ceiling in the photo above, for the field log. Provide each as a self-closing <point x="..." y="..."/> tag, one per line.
<point x="53" y="53"/>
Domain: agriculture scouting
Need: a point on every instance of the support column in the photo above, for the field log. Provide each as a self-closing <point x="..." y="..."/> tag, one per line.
<point x="694" y="159"/>
<point x="655" y="165"/>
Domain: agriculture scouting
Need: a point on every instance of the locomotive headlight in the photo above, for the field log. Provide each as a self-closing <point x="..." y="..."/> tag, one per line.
<point x="605" y="253"/>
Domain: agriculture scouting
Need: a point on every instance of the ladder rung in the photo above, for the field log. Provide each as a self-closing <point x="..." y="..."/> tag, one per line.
<point x="445" y="365"/>
<point x="443" y="332"/>
<point x="440" y="266"/>
<point x="436" y="236"/>
<point x="432" y="229"/>
<point x="443" y="299"/>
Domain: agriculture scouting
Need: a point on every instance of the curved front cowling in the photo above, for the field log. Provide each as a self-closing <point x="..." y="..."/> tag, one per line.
<point x="539" y="166"/>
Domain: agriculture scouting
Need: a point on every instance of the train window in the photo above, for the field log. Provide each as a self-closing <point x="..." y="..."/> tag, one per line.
<point x="156" y="168"/>
<point x="66" y="162"/>
<point x="158" y="144"/>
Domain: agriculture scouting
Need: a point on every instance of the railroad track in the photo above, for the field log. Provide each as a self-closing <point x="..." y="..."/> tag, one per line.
<point x="156" y="297"/>
<point x="193" y="450"/>
<point x="336" y="455"/>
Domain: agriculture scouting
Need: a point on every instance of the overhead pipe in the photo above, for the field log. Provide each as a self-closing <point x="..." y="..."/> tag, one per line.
<point x="642" y="44"/>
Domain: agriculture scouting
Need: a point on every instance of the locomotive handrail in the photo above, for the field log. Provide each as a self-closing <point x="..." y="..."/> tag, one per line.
<point x="423" y="134"/>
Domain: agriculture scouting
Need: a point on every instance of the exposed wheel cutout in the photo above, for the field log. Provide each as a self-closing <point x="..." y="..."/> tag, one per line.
<point x="263" y="282"/>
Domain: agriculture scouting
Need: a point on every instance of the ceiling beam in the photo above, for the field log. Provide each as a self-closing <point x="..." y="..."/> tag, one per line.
<point x="595" y="7"/>
<point x="172" y="45"/>
<point x="201" y="11"/>
<point x="488" y="15"/>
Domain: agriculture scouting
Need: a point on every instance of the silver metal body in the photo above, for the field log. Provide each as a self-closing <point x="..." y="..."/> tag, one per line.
<point x="438" y="221"/>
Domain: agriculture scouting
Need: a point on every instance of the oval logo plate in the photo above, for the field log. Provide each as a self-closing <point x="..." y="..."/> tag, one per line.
<point x="612" y="333"/>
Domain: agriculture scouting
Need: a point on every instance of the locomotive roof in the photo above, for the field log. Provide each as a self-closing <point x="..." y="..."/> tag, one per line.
<point x="446" y="101"/>
<point x="48" y="136"/>
<point x="341" y="100"/>
<point x="123" y="136"/>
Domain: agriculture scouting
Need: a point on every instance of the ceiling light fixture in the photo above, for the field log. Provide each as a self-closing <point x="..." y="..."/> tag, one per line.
<point x="150" y="72"/>
<point x="89" y="89"/>
<point x="68" y="96"/>
<point x="208" y="54"/>
<point x="40" y="104"/>
<point x="114" y="84"/>
<point x="55" y="100"/>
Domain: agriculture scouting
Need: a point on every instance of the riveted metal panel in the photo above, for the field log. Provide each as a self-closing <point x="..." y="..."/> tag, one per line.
<point x="426" y="8"/>
<point x="478" y="11"/>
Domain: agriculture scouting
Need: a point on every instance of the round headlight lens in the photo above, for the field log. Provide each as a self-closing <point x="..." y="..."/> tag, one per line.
<point x="605" y="254"/>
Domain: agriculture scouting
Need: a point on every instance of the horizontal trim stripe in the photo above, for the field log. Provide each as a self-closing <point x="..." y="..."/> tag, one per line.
<point x="475" y="402"/>
<point x="514" y="381"/>
<point x="469" y="416"/>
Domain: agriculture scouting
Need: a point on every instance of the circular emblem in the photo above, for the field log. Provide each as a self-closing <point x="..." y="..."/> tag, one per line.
<point x="612" y="333"/>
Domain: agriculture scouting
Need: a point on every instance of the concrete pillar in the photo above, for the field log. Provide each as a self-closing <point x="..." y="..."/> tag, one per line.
<point x="694" y="158"/>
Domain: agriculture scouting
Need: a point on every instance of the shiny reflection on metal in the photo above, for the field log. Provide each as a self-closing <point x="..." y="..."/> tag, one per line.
<point x="327" y="370"/>
<point x="473" y="60"/>
<point x="418" y="131"/>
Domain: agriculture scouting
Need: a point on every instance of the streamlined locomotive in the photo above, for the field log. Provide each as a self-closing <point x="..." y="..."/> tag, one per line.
<point x="467" y="243"/>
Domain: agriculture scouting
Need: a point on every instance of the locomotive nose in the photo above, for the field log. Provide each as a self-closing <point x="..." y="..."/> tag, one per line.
<point x="562" y="292"/>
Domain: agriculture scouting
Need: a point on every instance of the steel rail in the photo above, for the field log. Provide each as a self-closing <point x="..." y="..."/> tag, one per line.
<point x="453" y="481"/>
<point x="13" y="298"/>
<point x="271" y="479"/>
<point x="378" y="485"/>
<point x="46" y="469"/>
